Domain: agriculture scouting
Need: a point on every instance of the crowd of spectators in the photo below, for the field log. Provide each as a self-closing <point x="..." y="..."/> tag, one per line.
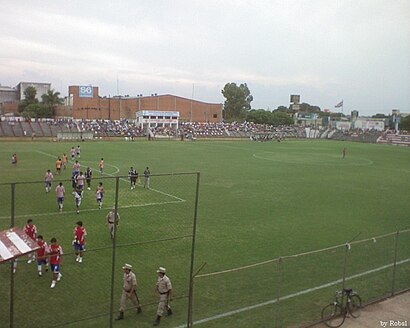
<point x="123" y="128"/>
<point x="193" y="130"/>
<point x="366" y="136"/>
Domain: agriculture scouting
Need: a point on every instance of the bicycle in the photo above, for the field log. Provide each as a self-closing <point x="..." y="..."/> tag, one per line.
<point x="346" y="301"/>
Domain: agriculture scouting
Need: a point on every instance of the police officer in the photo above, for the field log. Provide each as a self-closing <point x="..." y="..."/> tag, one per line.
<point x="147" y="175"/>
<point x="129" y="290"/>
<point x="164" y="288"/>
<point x="112" y="221"/>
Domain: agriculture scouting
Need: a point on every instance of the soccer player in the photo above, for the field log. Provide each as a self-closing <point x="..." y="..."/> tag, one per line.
<point x="65" y="161"/>
<point x="80" y="235"/>
<point x="42" y="253"/>
<point x="101" y="166"/>
<point x="74" y="176"/>
<point x="133" y="177"/>
<point x="77" y="199"/>
<point x="59" y="164"/>
<point x="88" y="177"/>
<point x="72" y="152"/>
<point x="76" y="167"/>
<point x="78" y="151"/>
<point x="55" y="252"/>
<point x="100" y="194"/>
<point x="48" y="178"/>
<point x="31" y="230"/>
<point x="14" y="159"/>
<point x="60" y="193"/>
<point x="80" y="183"/>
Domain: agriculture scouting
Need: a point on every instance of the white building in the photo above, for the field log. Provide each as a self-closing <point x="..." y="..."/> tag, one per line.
<point x="42" y="88"/>
<point x="153" y="118"/>
<point x="365" y="123"/>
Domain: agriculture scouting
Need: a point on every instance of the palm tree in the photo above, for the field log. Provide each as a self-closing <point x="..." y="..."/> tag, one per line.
<point x="51" y="99"/>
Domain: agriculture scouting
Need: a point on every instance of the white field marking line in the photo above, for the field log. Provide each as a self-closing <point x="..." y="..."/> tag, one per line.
<point x="89" y="210"/>
<point x="118" y="170"/>
<point x="367" y="162"/>
<point x="302" y="292"/>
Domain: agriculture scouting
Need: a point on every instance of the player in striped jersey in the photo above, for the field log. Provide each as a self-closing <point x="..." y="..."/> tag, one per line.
<point x="31" y="230"/>
<point x="41" y="255"/>
<point x="55" y="252"/>
<point x="80" y="239"/>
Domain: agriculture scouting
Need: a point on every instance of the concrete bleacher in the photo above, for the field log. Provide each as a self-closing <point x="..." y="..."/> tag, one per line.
<point x="37" y="129"/>
<point x="17" y="129"/>
<point x="395" y="139"/>
<point x="7" y="129"/>
<point x="26" y="126"/>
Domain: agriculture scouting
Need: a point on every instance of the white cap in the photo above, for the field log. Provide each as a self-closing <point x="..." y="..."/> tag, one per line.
<point x="127" y="266"/>
<point x="161" y="270"/>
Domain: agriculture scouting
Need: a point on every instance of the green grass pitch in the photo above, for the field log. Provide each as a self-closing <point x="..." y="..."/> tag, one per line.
<point x="257" y="201"/>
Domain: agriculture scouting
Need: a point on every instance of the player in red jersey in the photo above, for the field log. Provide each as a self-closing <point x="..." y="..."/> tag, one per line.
<point x="55" y="252"/>
<point x="41" y="255"/>
<point x="80" y="239"/>
<point x="31" y="230"/>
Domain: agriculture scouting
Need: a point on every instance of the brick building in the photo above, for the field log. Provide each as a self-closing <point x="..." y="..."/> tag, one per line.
<point x="85" y="103"/>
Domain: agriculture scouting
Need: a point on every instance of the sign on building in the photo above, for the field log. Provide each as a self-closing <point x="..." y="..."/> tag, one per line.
<point x="86" y="91"/>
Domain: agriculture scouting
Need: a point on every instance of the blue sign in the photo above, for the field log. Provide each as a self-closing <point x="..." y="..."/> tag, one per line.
<point x="86" y="91"/>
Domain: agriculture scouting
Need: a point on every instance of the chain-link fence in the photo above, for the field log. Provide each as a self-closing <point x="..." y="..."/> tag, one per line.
<point x="156" y="228"/>
<point x="291" y="291"/>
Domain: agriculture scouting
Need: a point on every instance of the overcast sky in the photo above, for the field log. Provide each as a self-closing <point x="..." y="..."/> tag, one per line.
<point x="324" y="50"/>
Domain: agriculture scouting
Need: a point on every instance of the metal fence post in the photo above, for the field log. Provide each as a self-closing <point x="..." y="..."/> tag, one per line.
<point x="280" y="276"/>
<point x="347" y="248"/>
<point x="191" y="274"/>
<point x="114" y="241"/>
<point x="396" y="237"/>
<point x="12" y="223"/>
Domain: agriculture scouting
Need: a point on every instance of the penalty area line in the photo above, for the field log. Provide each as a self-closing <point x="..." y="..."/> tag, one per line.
<point x="302" y="292"/>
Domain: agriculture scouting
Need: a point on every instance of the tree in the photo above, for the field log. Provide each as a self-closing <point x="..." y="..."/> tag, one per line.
<point x="37" y="111"/>
<point x="281" y="118"/>
<point x="405" y="123"/>
<point x="51" y="99"/>
<point x="238" y="100"/>
<point x="261" y="116"/>
<point x="380" y="116"/>
<point x="307" y="108"/>
<point x="283" y="109"/>
<point x="29" y="98"/>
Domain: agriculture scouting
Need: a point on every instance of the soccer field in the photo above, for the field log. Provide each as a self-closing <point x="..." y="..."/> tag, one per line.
<point x="257" y="202"/>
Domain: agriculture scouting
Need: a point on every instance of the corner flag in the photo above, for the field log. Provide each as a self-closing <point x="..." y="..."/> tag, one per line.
<point x="339" y="104"/>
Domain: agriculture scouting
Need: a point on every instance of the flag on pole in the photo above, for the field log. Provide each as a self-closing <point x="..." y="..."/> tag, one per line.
<point x="339" y="104"/>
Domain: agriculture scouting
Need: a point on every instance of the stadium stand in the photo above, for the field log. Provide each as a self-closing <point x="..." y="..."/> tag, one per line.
<point x="19" y="127"/>
<point x="392" y="138"/>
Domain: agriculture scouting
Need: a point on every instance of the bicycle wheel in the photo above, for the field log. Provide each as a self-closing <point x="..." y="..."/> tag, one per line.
<point x="333" y="315"/>
<point x="355" y="306"/>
